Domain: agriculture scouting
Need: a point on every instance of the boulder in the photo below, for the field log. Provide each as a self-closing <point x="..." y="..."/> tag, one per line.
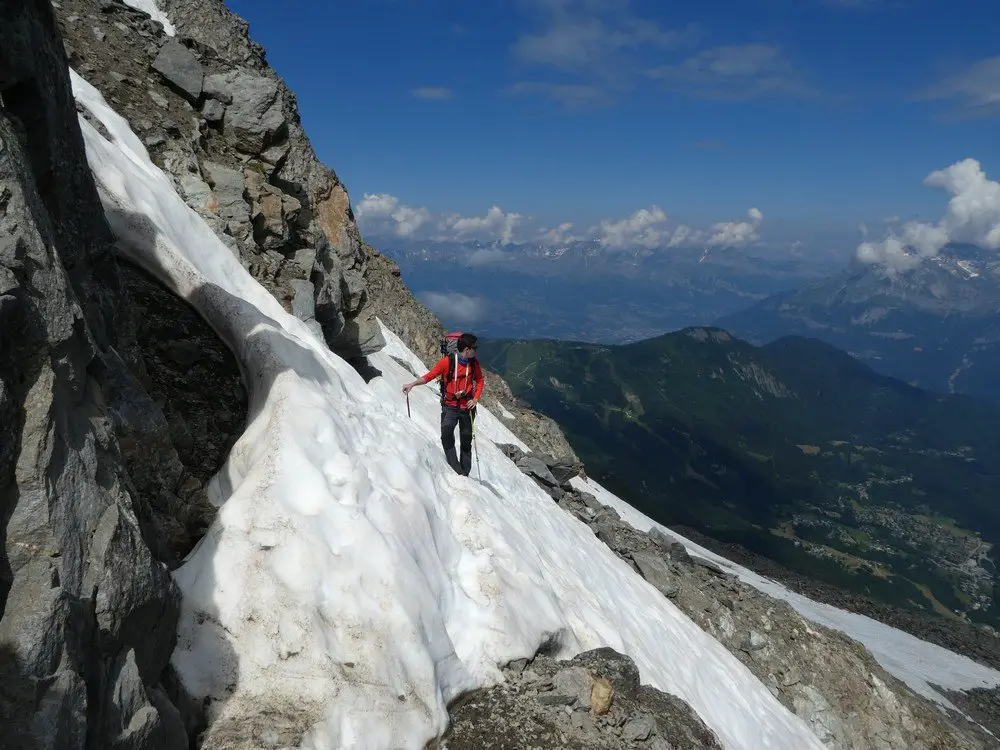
<point x="564" y="468"/>
<point x="537" y="469"/>
<point x="181" y="69"/>
<point x="255" y="114"/>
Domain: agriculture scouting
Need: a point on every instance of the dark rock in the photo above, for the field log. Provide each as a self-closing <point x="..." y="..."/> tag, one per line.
<point x="537" y="469"/>
<point x="675" y="550"/>
<point x="178" y="65"/>
<point x="564" y="468"/>
<point x="184" y="353"/>
<point x="79" y="585"/>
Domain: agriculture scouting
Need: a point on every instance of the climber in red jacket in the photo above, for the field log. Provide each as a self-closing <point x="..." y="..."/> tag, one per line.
<point x="462" y="386"/>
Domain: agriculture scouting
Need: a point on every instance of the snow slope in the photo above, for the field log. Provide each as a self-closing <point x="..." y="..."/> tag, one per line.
<point x="917" y="663"/>
<point x="352" y="584"/>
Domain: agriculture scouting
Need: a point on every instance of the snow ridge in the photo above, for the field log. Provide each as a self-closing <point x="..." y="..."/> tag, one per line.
<point x="352" y="584"/>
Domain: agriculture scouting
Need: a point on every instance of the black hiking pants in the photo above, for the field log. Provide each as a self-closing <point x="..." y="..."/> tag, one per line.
<point x="451" y="416"/>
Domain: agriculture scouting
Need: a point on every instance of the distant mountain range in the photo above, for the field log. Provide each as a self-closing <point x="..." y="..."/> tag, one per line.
<point x="936" y="325"/>
<point x="795" y="450"/>
<point x="584" y="291"/>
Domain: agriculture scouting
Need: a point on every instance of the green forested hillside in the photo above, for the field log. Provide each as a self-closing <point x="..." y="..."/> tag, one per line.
<point x="795" y="450"/>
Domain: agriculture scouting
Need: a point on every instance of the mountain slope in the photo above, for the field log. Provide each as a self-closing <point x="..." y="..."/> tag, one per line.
<point x="383" y="585"/>
<point x="936" y="325"/>
<point x="795" y="450"/>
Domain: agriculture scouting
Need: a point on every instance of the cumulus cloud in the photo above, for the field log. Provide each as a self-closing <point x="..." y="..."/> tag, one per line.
<point x="432" y="92"/>
<point x="972" y="216"/>
<point x="381" y="213"/>
<point x="384" y="215"/>
<point x="645" y="228"/>
<point x="496" y="224"/>
<point x="455" y="307"/>
<point x="736" y="234"/>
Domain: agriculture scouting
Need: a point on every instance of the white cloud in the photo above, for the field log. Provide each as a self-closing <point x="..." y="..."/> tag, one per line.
<point x="381" y="213"/>
<point x="733" y="73"/>
<point x="454" y="307"/>
<point x="560" y="235"/>
<point x="736" y="234"/>
<point x="684" y="234"/>
<point x="384" y="215"/>
<point x="646" y="228"/>
<point x="494" y="225"/>
<point x="596" y="40"/>
<point x="432" y="92"/>
<point x="977" y="88"/>
<point x="972" y="216"/>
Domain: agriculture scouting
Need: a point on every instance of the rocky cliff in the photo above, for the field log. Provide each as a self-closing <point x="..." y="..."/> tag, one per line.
<point x="88" y="612"/>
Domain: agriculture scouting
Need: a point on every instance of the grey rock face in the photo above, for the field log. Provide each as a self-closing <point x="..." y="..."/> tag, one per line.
<point x="178" y="65"/>
<point x="309" y="212"/>
<point x="79" y="587"/>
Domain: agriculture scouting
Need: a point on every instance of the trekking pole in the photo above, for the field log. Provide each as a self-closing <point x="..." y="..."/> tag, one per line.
<point x="408" y="404"/>
<point x="475" y="448"/>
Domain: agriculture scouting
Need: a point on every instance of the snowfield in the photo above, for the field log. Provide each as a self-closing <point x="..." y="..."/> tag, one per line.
<point x="352" y="584"/>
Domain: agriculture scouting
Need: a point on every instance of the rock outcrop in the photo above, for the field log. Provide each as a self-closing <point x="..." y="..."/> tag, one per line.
<point x="219" y="120"/>
<point x="87" y="612"/>
<point x="593" y="701"/>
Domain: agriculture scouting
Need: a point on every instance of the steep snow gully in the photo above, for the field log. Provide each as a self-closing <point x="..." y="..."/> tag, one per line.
<point x="351" y="584"/>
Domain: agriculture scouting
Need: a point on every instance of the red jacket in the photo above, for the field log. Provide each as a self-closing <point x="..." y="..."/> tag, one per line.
<point x="464" y="377"/>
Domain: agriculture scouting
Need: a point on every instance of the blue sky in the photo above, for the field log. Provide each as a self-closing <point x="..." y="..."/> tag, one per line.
<point x="819" y="113"/>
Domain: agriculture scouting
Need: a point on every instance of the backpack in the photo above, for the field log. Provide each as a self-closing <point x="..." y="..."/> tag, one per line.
<point x="449" y="348"/>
